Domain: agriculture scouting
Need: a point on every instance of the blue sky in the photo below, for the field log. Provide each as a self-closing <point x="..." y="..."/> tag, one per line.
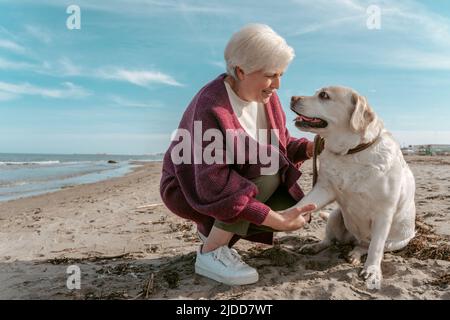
<point x="121" y="83"/>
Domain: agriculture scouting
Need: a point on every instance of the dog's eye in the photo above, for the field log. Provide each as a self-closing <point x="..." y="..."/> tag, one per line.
<point x="324" y="95"/>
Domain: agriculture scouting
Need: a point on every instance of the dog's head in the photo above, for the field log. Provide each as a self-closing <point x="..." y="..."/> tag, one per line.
<point x="332" y="110"/>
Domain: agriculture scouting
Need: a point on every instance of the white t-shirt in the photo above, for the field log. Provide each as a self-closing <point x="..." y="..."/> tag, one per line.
<point x="251" y="115"/>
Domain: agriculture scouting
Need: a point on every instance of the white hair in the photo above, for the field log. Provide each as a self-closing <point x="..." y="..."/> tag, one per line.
<point x="257" y="47"/>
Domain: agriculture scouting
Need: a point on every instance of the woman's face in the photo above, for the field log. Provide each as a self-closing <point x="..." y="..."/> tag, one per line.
<point x="259" y="85"/>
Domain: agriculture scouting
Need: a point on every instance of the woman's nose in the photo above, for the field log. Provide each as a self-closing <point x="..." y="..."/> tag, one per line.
<point x="276" y="83"/>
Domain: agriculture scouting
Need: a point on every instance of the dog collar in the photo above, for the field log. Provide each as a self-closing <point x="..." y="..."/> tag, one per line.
<point x="362" y="146"/>
<point x="319" y="145"/>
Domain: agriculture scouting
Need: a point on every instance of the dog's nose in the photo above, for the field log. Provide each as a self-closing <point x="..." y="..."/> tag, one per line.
<point x="295" y="99"/>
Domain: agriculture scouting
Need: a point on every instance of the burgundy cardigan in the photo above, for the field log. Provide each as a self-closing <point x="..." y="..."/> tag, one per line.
<point x="205" y="192"/>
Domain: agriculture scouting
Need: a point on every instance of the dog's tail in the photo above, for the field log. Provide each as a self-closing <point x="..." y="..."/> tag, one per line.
<point x="324" y="215"/>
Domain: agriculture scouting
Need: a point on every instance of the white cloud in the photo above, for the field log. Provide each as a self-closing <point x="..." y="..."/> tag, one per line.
<point x="413" y="19"/>
<point x="14" y="65"/>
<point x="327" y="25"/>
<point x="38" y="33"/>
<point x="413" y="36"/>
<point x="146" y="7"/>
<point x="68" y="68"/>
<point x="128" y="103"/>
<point x="73" y="91"/>
<point x="14" y="90"/>
<point x="11" y="45"/>
<point x="325" y="15"/>
<point x="138" y="77"/>
<point x="62" y="67"/>
<point x="353" y="4"/>
<point x="404" y="16"/>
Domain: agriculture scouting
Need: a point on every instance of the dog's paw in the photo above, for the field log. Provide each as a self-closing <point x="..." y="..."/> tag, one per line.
<point x="354" y="256"/>
<point x="354" y="259"/>
<point x="312" y="248"/>
<point x="372" y="275"/>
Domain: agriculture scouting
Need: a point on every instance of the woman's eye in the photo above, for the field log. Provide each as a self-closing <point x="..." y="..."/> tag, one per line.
<point x="274" y="75"/>
<point x="324" y="95"/>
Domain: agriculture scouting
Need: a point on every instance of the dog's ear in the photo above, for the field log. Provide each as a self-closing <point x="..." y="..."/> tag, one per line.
<point x="362" y="115"/>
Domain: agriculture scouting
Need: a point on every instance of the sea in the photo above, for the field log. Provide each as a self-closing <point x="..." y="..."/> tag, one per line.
<point x="24" y="175"/>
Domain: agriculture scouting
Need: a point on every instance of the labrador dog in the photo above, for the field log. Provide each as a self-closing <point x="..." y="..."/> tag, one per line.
<point x="363" y="170"/>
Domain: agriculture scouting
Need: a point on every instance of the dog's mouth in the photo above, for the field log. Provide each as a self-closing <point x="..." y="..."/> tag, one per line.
<point x="306" y="122"/>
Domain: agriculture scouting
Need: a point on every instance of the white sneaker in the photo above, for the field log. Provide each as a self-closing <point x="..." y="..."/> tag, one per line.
<point x="225" y="265"/>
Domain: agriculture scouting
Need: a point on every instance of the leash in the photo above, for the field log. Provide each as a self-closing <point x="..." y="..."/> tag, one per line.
<point x="319" y="144"/>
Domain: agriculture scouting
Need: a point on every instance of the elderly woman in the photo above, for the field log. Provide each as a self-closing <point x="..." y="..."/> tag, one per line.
<point x="229" y="201"/>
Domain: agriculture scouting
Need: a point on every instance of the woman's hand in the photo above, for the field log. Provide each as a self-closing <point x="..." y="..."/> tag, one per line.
<point x="290" y="219"/>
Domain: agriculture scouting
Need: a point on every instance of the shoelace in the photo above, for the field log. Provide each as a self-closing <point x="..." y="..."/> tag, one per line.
<point x="230" y="255"/>
<point x="218" y="255"/>
<point x="236" y="257"/>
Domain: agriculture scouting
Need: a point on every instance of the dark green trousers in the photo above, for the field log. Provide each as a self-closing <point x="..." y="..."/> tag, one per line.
<point x="272" y="194"/>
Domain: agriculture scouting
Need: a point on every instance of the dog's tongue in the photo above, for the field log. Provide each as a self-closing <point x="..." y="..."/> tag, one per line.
<point x="307" y="119"/>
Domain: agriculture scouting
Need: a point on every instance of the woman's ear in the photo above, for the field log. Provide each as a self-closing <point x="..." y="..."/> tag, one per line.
<point x="362" y="115"/>
<point x="239" y="73"/>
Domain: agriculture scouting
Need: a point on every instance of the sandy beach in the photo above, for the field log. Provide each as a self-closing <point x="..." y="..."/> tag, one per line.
<point x="129" y="246"/>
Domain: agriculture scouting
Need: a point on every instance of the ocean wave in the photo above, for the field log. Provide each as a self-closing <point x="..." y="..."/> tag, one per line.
<point x="27" y="163"/>
<point x="22" y="182"/>
<point x="11" y="184"/>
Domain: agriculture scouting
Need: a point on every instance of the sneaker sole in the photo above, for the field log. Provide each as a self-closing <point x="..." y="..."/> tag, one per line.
<point x="232" y="282"/>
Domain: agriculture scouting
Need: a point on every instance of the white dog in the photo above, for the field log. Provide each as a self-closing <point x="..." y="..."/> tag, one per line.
<point x="362" y="168"/>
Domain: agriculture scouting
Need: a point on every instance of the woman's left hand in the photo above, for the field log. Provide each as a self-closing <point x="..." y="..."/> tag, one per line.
<point x="290" y="219"/>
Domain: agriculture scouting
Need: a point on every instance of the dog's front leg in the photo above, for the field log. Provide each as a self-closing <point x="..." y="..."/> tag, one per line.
<point x="372" y="268"/>
<point x="320" y="195"/>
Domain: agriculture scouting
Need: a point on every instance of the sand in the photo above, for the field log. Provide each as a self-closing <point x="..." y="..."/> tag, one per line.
<point x="127" y="252"/>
